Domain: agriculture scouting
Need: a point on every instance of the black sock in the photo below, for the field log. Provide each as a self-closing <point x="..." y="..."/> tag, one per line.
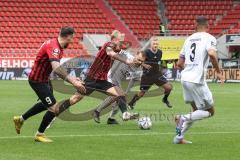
<point x="37" y="108"/>
<point x="134" y="100"/>
<point x="64" y="105"/>
<point x="165" y="98"/>
<point x="47" y="119"/>
<point x="121" y="101"/>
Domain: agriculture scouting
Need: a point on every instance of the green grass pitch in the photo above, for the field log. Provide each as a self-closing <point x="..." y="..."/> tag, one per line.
<point x="217" y="138"/>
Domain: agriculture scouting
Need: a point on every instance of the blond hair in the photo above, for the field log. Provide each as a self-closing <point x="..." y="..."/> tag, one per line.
<point x="115" y="34"/>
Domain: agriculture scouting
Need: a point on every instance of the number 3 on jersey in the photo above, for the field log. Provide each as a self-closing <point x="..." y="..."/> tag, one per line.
<point x="193" y="48"/>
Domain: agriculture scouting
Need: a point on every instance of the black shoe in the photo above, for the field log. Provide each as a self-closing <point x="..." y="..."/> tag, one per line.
<point x="96" y="116"/>
<point x="168" y="104"/>
<point x="112" y="121"/>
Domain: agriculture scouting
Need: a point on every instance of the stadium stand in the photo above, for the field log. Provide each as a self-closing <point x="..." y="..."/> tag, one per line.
<point x="181" y="14"/>
<point x="26" y="24"/>
<point x="228" y="21"/>
<point x="232" y="20"/>
<point x="119" y="24"/>
<point x="140" y="15"/>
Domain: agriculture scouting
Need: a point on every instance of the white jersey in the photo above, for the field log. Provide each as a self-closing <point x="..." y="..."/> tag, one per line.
<point x="120" y="70"/>
<point x="195" y="52"/>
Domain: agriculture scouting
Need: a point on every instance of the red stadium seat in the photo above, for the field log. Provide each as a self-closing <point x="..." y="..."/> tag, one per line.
<point x="27" y="24"/>
<point x="137" y="13"/>
<point x="181" y="14"/>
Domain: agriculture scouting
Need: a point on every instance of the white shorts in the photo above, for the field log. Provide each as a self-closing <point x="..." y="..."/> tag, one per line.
<point x="199" y="94"/>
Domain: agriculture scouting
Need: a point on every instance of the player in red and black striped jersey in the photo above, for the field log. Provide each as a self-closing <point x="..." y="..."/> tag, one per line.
<point x="97" y="75"/>
<point x="48" y="60"/>
<point x="42" y="68"/>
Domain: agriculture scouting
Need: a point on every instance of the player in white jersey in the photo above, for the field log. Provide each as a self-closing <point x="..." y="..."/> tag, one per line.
<point x="194" y="58"/>
<point x="119" y="72"/>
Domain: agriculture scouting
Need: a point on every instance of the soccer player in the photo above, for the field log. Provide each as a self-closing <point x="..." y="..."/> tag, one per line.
<point x="153" y="75"/>
<point x="96" y="79"/>
<point x="118" y="72"/>
<point x="194" y="60"/>
<point x="48" y="60"/>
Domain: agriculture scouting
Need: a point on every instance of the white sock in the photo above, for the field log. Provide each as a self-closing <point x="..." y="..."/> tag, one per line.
<point x="185" y="127"/>
<point x="38" y="133"/>
<point x="21" y="118"/>
<point x="196" y="115"/>
<point x="126" y="115"/>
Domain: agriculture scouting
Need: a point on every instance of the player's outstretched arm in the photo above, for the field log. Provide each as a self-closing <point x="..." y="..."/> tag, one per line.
<point x="116" y="56"/>
<point x="214" y="59"/>
<point x="62" y="73"/>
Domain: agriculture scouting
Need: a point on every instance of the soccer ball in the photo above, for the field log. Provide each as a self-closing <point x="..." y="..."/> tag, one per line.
<point x="145" y="123"/>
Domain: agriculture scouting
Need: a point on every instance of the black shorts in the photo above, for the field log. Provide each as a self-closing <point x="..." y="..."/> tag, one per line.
<point x="148" y="80"/>
<point x="92" y="85"/>
<point x="44" y="92"/>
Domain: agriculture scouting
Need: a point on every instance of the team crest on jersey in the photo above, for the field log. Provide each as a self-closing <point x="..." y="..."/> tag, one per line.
<point x="55" y="52"/>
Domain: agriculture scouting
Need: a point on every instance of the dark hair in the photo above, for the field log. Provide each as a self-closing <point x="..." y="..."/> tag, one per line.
<point x="202" y="21"/>
<point x="66" y="31"/>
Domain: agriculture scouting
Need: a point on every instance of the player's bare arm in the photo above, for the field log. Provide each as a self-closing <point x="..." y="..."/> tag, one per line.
<point x="180" y="63"/>
<point x="147" y="66"/>
<point x="62" y="73"/>
<point x="214" y="59"/>
<point x="116" y="56"/>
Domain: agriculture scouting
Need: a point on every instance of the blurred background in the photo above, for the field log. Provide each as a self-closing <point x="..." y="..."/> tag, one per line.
<point x="26" y="24"/>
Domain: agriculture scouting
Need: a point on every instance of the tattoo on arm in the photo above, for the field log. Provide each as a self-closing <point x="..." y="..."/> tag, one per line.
<point x="61" y="72"/>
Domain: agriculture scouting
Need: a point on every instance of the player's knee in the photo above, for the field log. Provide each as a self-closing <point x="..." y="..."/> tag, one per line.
<point x="53" y="108"/>
<point x="168" y="88"/>
<point x="121" y="94"/>
<point x="141" y="94"/>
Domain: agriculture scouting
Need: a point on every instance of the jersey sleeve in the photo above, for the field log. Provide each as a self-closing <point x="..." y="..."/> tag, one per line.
<point x="114" y="47"/>
<point x="53" y="53"/>
<point x="183" y="51"/>
<point x="111" y="45"/>
<point x="146" y="51"/>
<point x="211" y="43"/>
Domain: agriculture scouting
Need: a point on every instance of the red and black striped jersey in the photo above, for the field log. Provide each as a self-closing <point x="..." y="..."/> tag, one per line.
<point x="42" y="68"/>
<point x="102" y="63"/>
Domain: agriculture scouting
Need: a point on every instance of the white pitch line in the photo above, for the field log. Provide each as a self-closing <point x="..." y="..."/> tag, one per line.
<point x="120" y="134"/>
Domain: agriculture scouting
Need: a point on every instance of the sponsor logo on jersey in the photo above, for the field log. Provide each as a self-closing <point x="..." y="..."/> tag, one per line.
<point x="55" y="52"/>
<point x="213" y="44"/>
